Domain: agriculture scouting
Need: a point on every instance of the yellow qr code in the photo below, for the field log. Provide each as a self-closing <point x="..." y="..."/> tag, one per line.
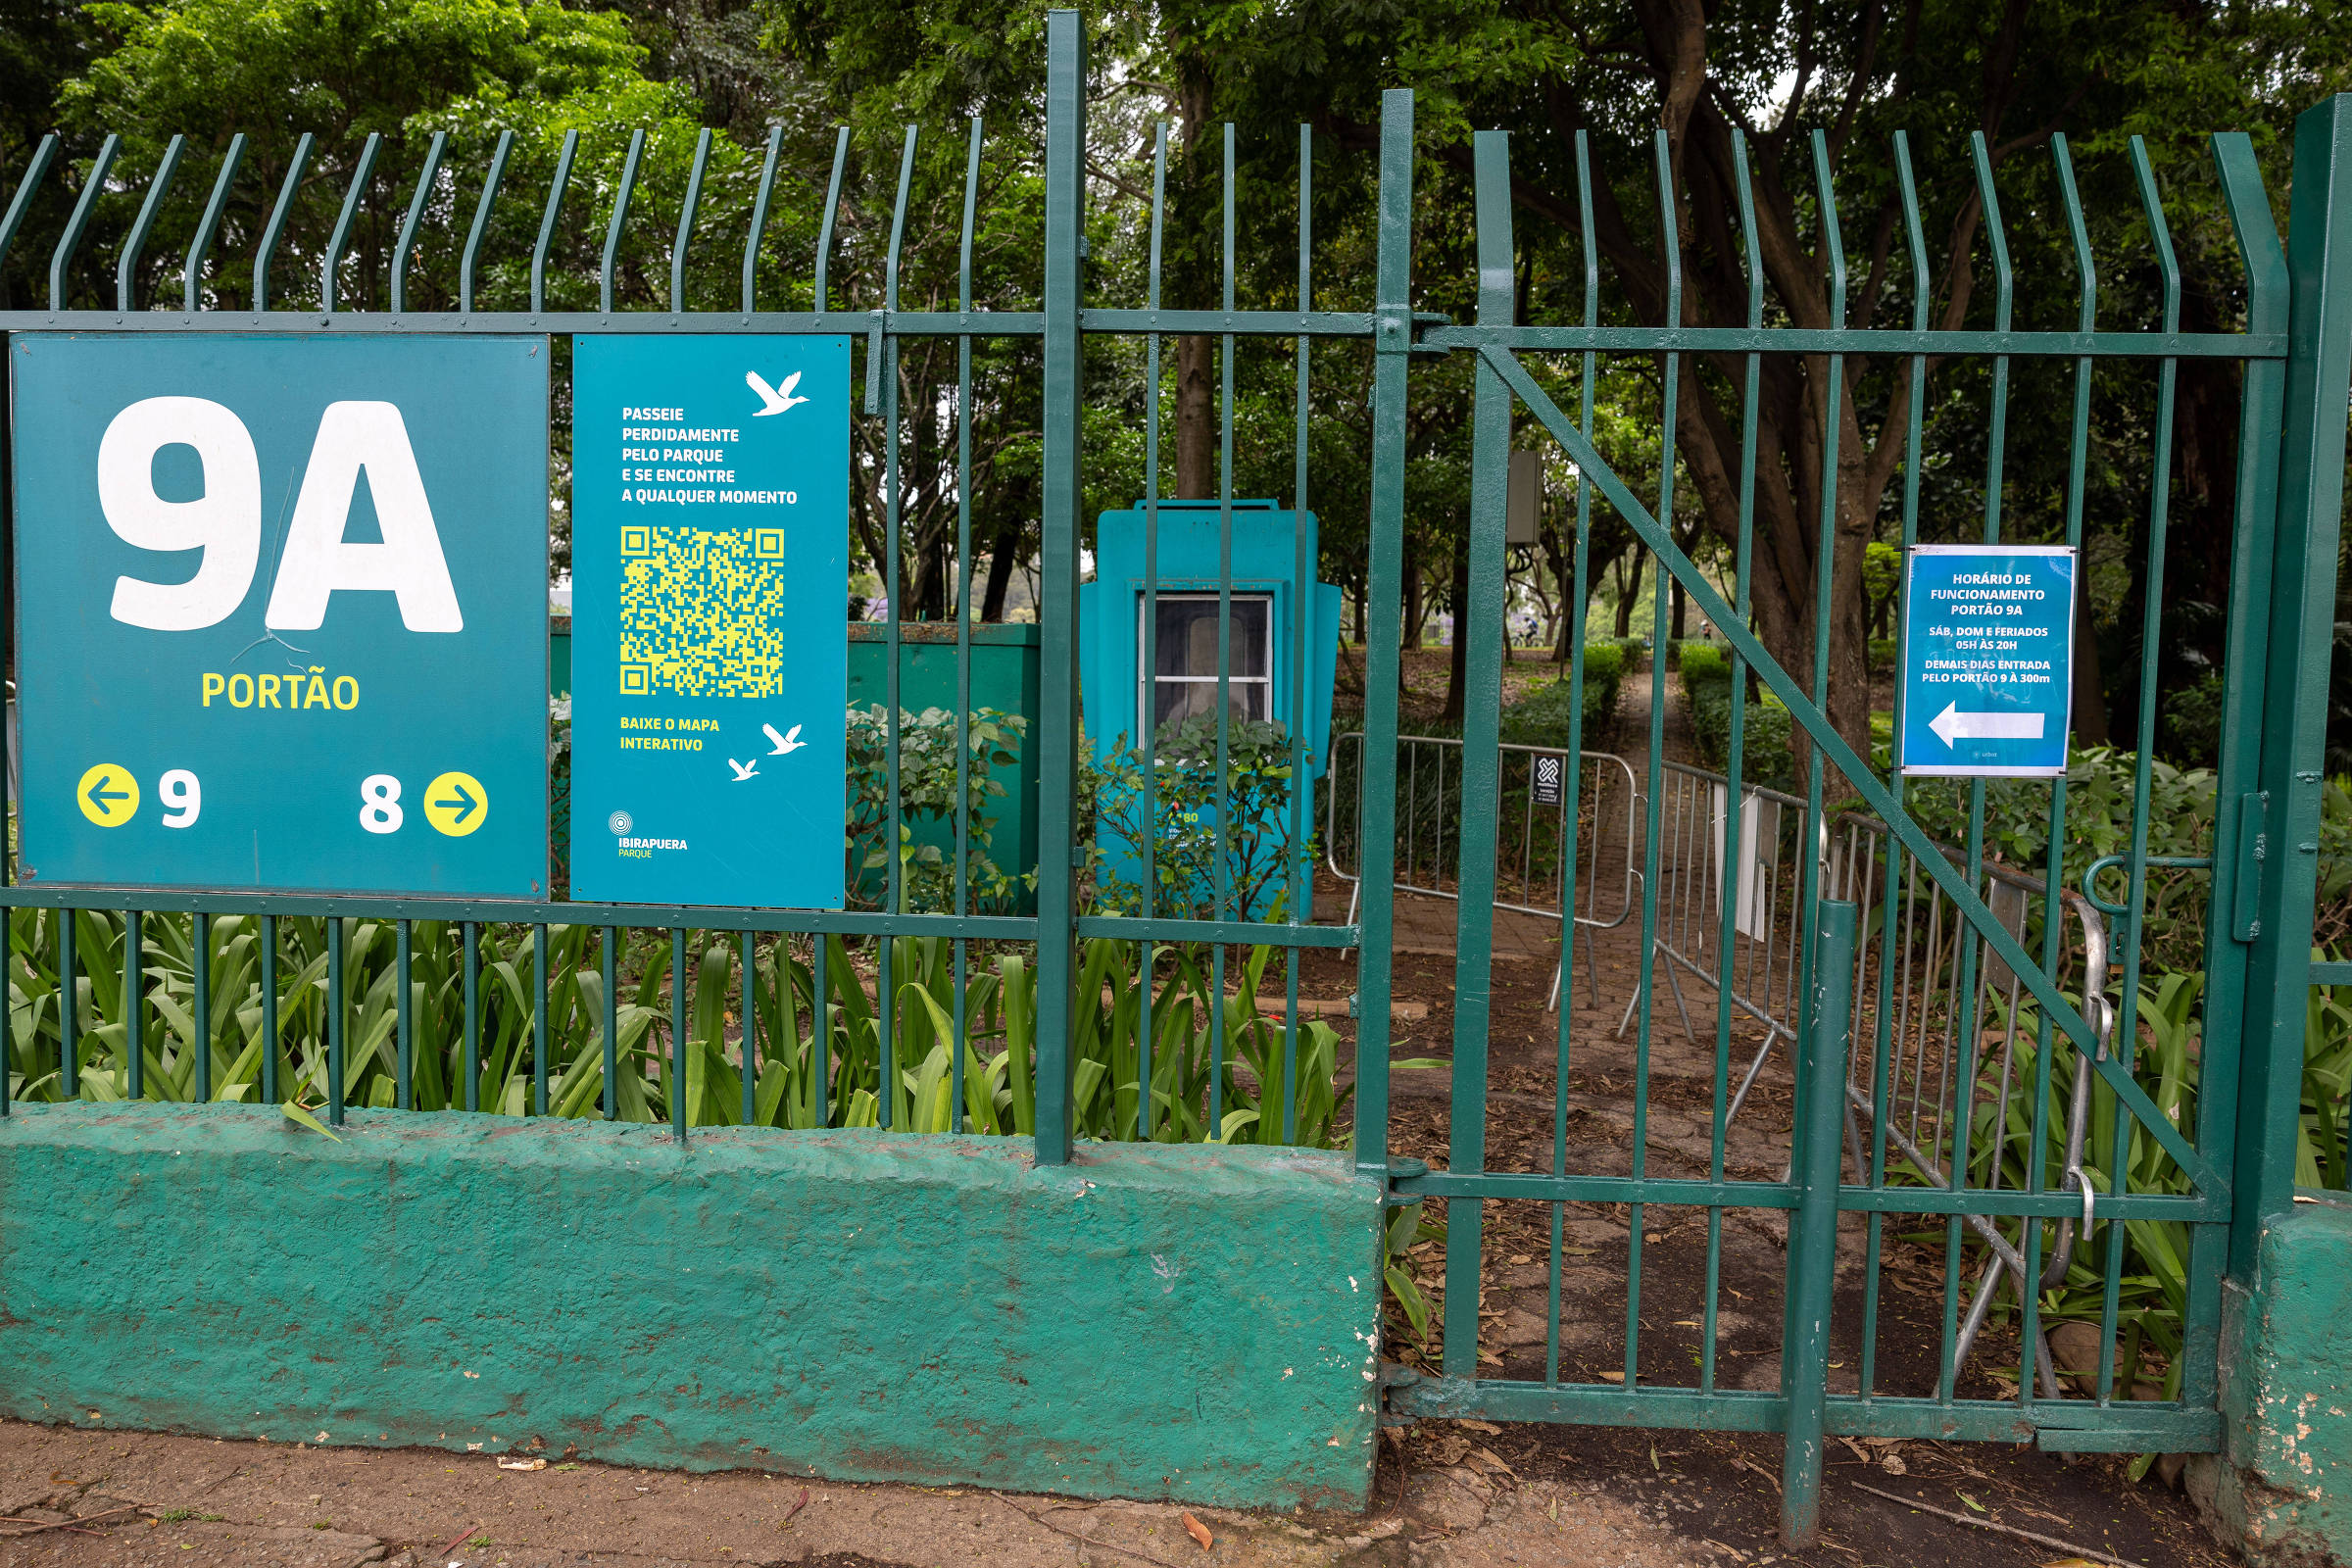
<point x="702" y="611"/>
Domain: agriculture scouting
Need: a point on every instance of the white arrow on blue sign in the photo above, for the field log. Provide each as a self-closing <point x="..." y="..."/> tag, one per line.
<point x="1987" y="659"/>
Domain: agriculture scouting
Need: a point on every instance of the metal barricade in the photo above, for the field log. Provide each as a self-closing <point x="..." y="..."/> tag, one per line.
<point x="1912" y="967"/>
<point x="1531" y="869"/>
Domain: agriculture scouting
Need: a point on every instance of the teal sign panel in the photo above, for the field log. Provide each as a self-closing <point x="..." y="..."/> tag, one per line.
<point x="1987" y="659"/>
<point x="710" y="587"/>
<point x="282" y="612"/>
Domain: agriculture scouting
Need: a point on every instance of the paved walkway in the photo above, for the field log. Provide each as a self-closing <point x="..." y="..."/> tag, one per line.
<point x="192" y="1502"/>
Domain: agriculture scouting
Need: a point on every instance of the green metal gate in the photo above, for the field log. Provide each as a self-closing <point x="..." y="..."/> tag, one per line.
<point x="1866" y="886"/>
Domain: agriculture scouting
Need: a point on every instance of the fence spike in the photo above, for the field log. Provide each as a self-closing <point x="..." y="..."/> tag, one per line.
<point x="192" y="270"/>
<point x="343" y="220"/>
<point x="71" y="241"/>
<point x="694" y="198"/>
<point x="751" y="246"/>
<point x="128" y="268"/>
<point x="481" y="220"/>
<point x="824" y="233"/>
<point x="406" y="249"/>
<point x="277" y="220"/>
<point x="621" y="213"/>
<point x="23" y="201"/>
<point x="555" y="188"/>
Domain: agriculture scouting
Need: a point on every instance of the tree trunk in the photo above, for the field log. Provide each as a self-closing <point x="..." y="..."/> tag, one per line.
<point x="1000" y="561"/>
<point x="1627" y="596"/>
<point x="1196" y="419"/>
<point x="1457" y="667"/>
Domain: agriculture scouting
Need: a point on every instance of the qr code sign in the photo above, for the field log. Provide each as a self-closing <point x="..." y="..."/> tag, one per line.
<point x="702" y="611"/>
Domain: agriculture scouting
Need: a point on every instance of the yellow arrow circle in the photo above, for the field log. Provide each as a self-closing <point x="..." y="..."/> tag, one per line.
<point x="108" y="795"/>
<point x="455" y="804"/>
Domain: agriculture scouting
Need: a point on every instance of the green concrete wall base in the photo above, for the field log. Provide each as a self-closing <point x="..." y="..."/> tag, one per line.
<point x="2282" y="1489"/>
<point x="1147" y="1321"/>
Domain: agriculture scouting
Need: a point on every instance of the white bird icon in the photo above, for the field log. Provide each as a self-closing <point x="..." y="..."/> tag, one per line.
<point x="777" y="401"/>
<point x="744" y="770"/>
<point x="787" y="744"/>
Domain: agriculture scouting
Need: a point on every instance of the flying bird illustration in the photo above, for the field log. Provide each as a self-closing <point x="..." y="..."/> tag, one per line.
<point x="786" y="745"/>
<point x="777" y="401"/>
<point x="744" y="770"/>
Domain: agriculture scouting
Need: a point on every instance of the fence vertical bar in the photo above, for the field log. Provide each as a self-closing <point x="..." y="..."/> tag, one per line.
<point x="1148" y="718"/>
<point x="694" y="199"/>
<point x="2221" y="1089"/>
<point x="405" y="250"/>
<point x="334" y="1020"/>
<point x="1480" y="623"/>
<point x="619" y="220"/>
<point x="748" y="1012"/>
<point x="1813" y="1227"/>
<point x="22" y="203"/>
<point x="126" y="269"/>
<point x="481" y="219"/>
<point x="270" y="1084"/>
<point x="134" y="1003"/>
<point x="539" y="1021"/>
<point x="759" y="201"/>
<point x="2294" y="712"/>
<point x="824" y="233"/>
<point x="958" y="1049"/>
<point x="277" y="220"/>
<point x="677" y="1033"/>
<point x="611" y="1003"/>
<point x="1384" y="583"/>
<point x="1302" y="611"/>
<point x="470" y="957"/>
<point x="555" y="188"/>
<point x="68" y="1009"/>
<point x="201" y="929"/>
<point x="70" y="242"/>
<point x="1058" y="610"/>
<point x="191" y="272"/>
<point x="403" y="1023"/>
<point x="341" y="235"/>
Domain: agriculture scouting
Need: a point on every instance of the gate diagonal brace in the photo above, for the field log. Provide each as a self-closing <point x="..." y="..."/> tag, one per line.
<point x="1866" y="783"/>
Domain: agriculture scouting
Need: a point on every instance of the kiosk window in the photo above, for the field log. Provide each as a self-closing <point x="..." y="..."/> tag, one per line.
<point x="1185" y="682"/>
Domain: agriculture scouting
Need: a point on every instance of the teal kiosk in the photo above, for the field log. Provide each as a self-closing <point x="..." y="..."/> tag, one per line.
<point x="1269" y="596"/>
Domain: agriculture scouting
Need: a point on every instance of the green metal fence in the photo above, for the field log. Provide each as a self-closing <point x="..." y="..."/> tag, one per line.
<point x="2219" y="1170"/>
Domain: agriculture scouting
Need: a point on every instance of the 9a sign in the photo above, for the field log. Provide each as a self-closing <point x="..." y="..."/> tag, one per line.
<point x="282" y="611"/>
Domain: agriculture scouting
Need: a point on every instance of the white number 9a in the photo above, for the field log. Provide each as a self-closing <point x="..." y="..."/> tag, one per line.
<point x="182" y="797"/>
<point x="225" y="522"/>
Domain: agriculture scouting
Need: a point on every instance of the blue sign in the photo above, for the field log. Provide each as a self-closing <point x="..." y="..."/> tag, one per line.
<point x="1987" y="659"/>
<point x="710" y="587"/>
<point x="282" y="612"/>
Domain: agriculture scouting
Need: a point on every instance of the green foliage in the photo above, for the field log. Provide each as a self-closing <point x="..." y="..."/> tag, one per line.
<point x="927" y="797"/>
<point x="1191" y="800"/>
<point x="1765" y="735"/>
<point x="821" y="1050"/>
<point x="1539" y="715"/>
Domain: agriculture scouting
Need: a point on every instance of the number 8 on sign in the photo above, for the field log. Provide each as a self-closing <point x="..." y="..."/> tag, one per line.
<point x="379" y="809"/>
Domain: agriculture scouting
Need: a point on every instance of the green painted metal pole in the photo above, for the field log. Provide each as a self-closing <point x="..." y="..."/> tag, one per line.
<point x="427" y="181"/>
<point x="191" y="274"/>
<point x="61" y="260"/>
<point x="341" y="235"/>
<point x="1481" y="623"/>
<point x="1813" y="1227"/>
<point x="1392" y="342"/>
<point x="126" y="269"/>
<point x="2294" y="712"/>
<point x="1058" y="610"/>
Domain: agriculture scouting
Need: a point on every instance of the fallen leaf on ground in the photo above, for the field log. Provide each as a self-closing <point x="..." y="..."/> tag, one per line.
<point x="1893" y="1465"/>
<point x="1971" y="1501"/>
<point x="1487" y="1427"/>
<point x="1197" y="1530"/>
<point x="522" y="1464"/>
<point x="1486" y="1459"/>
<point x="2069" y="1563"/>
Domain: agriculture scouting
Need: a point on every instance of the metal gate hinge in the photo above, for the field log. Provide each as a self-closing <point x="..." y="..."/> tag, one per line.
<point x="1403" y="1168"/>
